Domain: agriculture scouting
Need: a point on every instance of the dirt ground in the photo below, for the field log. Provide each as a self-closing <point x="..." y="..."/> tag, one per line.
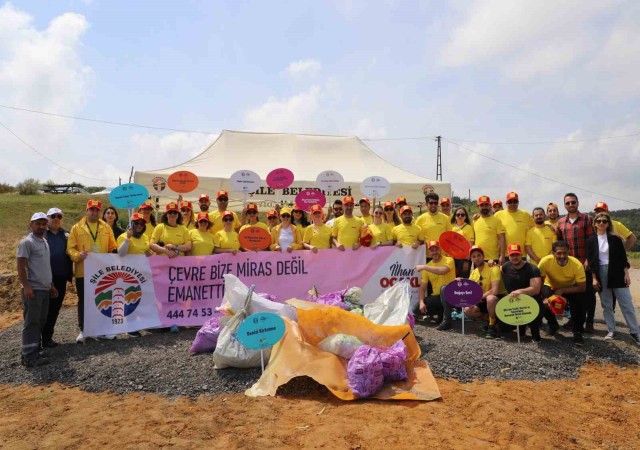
<point x="601" y="409"/>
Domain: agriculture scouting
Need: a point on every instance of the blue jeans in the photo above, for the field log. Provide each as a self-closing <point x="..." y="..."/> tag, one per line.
<point x="624" y="300"/>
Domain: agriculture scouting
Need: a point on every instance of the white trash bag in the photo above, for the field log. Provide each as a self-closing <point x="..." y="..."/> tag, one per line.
<point x="235" y="294"/>
<point x="392" y="307"/>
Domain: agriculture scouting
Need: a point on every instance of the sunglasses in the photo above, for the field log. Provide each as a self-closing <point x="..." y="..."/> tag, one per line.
<point x="602" y="221"/>
<point x="56" y="216"/>
<point x="223" y="199"/>
<point x="432" y="203"/>
<point x="172" y="212"/>
<point x="252" y="212"/>
<point x="138" y="223"/>
<point x="511" y="202"/>
<point x="272" y="217"/>
<point x="203" y="221"/>
<point x="377" y="212"/>
<point x="185" y="210"/>
<point x="461" y="215"/>
<point x="228" y="219"/>
<point x="286" y="216"/>
<point x="388" y="209"/>
<point x="337" y="209"/>
<point x="571" y="202"/>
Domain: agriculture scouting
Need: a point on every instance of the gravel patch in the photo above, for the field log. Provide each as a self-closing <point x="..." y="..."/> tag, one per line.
<point x="160" y="363"/>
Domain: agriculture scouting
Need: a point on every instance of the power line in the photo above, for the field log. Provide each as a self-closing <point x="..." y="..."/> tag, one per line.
<point x="537" y="174"/>
<point x="47" y="158"/>
<point x="550" y="142"/>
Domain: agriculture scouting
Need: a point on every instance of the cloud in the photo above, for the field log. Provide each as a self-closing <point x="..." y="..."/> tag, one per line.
<point x="303" y="67"/>
<point x="293" y="114"/>
<point x="364" y="129"/>
<point x="168" y="150"/>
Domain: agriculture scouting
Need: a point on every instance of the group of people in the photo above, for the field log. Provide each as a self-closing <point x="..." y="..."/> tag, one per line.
<point x="568" y="257"/>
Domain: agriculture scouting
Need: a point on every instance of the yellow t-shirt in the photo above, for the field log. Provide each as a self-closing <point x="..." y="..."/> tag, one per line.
<point x="433" y="225"/>
<point x="148" y="231"/>
<point x="407" y="234"/>
<point x="347" y="231"/>
<point x="191" y="225"/>
<point x="215" y="218"/>
<point x="380" y="233"/>
<point x="487" y="230"/>
<point x="467" y="231"/>
<point x="557" y="276"/>
<point x="439" y="281"/>
<point x="137" y="246"/>
<point x="367" y="220"/>
<point x="516" y="225"/>
<point x="553" y="223"/>
<point x="621" y="230"/>
<point x="486" y="276"/>
<point x="319" y="237"/>
<point x="177" y="235"/>
<point x="230" y="240"/>
<point x="201" y="242"/>
<point x="540" y="239"/>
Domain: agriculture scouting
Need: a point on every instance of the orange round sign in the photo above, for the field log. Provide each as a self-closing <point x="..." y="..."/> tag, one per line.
<point x="455" y="244"/>
<point x="255" y="238"/>
<point x="182" y="181"/>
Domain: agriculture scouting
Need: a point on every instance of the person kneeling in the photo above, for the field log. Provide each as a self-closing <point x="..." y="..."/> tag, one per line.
<point x="440" y="271"/>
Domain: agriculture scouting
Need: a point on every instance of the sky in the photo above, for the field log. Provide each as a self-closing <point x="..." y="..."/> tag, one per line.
<point x="541" y="98"/>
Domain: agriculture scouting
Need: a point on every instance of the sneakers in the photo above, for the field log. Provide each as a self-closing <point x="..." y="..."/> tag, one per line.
<point x="578" y="340"/>
<point x="444" y="325"/>
<point x="134" y="334"/>
<point x="636" y="338"/>
<point x="588" y="328"/>
<point x="80" y="338"/>
<point x="491" y="333"/>
<point x="569" y="325"/>
<point x="553" y="330"/>
<point x="609" y="337"/>
<point x="33" y="362"/>
<point x="174" y="329"/>
<point x="536" y="339"/>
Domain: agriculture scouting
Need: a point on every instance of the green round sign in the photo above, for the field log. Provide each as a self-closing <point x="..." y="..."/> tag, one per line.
<point x="520" y="310"/>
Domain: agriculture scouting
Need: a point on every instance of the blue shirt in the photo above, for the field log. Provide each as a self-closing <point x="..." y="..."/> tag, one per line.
<point x="58" y="249"/>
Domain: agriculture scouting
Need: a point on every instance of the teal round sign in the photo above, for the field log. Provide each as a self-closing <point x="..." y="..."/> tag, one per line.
<point x="130" y="195"/>
<point x="261" y="330"/>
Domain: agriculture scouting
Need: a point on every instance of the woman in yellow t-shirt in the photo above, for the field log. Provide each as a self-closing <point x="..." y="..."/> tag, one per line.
<point x="146" y="209"/>
<point x="462" y="225"/>
<point x="227" y="239"/>
<point x="188" y="220"/>
<point x="202" y="241"/>
<point x="390" y="214"/>
<point x="381" y="231"/>
<point x="318" y="234"/>
<point x="170" y="237"/>
<point x="134" y="241"/>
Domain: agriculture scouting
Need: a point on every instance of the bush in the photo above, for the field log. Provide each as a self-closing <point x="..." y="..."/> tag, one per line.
<point x="30" y="186"/>
<point x="6" y="188"/>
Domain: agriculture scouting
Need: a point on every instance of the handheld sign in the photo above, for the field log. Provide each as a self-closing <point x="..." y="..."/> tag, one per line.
<point x="462" y="293"/>
<point x="520" y="310"/>
<point x="329" y="181"/>
<point x="130" y="195"/>
<point x="159" y="184"/>
<point x="245" y="181"/>
<point x="375" y="187"/>
<point x="182" y="181"/>
<point x="309" y="197"/>
<point x="255" y="238"/>
<point x="455" y="245"/>
<point x="280" y="178"/>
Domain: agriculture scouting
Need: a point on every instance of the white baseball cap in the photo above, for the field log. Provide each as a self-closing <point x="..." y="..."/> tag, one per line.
<point x="53" y="211"/>
<point x="38" y="216"/>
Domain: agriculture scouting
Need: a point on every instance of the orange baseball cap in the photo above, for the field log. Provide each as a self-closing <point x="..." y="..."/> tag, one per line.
<point x="388" y="205"/>
<point x="146" y="205"/>
<point x="512" y="196"/>
<point x="316" y="208"/>
<point x="94" y="204"/>
<point x="203" y="197"/>
<point x="252" y="207"/>
<point x="203" y="216"/>
<point x="172" y="206"/>
<point x="445" y="201"/>
<point x="186" y="204"/>
<point x="364" y="199"/>
<point x="348" y="199"/>
<point x="476" y="248"/>
<point x="484" y="199"/>
<point x="222" y="194"/>
<point x="433" y="244"/>
<point x="137" y="216"/>
<point x="227" y="213"/>
<point x="601" y="205"/>
<point x="497" y="202"/>
<point x="273" y="213"/>
<point x="514" y="249"/>
<point x="405" y="208"/>
<point x="401" y="199"/>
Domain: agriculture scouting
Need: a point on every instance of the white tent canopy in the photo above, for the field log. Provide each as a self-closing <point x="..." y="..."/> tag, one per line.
<point x="305" y="155"/>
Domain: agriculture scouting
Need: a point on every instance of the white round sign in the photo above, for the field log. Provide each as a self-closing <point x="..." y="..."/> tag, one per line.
<point x="329" y="181"/>
<point x="245" y="181"/>
<point x="375" y="187"/>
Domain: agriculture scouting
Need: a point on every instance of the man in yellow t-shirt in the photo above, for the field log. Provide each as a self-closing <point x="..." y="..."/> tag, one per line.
<point x="564" y="276"/>
<point x="539" y="238"/>
<point x="440" y="271"/>
<point x="406" y="233"/>
<point x="346" y="229"/>
<point x="516" y="221"/>
<point x="553" y="215"/>
<point x="619" y="228"/>
<point x="490" y="279"/>
<point x="222" y="199"/>
<point x="365" y="210"/>
<point x="433" y="222"/>
<point x="489" y="232"/>
<point x="445" y="206"/>
<point x="497" y="206"/>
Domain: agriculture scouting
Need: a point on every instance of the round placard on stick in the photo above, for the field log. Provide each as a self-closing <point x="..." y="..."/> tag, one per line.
<point x="375" y="187"/>
<point x="129" y="195"/>
<point x="517" y="311"/>
<point x="182" y="181"/>
<point x="329" y="181"/>
<point x="261" y="330"/>
<point x="462" y="293"/>
<point x="245" y="181"/>
<point x="309" y="197"/>
<point x="255" y="238"/>
<point x="280" y="178"/>
<point x="455" y="244"/>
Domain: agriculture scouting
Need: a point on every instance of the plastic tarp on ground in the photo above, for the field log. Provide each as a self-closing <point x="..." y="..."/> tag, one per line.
<point x="297" y="355"/>
<point x="305" y="155"/>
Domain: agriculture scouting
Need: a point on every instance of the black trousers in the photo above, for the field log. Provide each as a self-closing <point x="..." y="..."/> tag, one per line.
<point x="577" y="306"/>
<point x="80" y="289"/>
<point x="54" y="308"/>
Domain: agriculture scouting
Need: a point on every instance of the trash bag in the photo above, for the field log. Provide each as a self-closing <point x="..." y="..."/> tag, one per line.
<point x="235" y="294"/>
<point x="352" y="297"/>
<point x="340" y="344"/>
<point x="392" y="307"/>
<point x="207" y="336"/>
<point x="270" y="297"/>
<point x="364" y="372"/>
<point x="331" y="299"/>
<point x="411" y="320"/>
<point x="393" y="360"/>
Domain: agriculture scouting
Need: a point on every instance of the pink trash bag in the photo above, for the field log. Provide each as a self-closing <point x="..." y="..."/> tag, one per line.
<point x="393" y="359"/>
<point x="364" y="372"/>
<point x="207" y="336"/>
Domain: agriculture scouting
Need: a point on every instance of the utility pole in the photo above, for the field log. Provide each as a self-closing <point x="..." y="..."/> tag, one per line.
<point x="439" y="160"/>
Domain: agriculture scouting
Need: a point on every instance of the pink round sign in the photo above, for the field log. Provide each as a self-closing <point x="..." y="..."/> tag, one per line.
<point x="280" y="178"/>
<point x="309" y="197"/>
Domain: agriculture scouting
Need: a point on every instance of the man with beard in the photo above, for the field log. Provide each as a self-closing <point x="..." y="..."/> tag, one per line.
<point x="203" y="202"/>
<point x="407" y="233"/>
<point x="553" y="215"/>
<point x="489" y="232"/>
<point x="438" y="272"/>
<point x="433" y="222"/>
<point x="564" y="276"/>
<point x="337" y="210"/>
<point x="34" y="273"/>
<point x="347" y="228"/>
<point x="575" y="228"/>
<point x="539" y="238"/>
<point x="215" y="217"/>
<point x="516" y="221"/>
<point x="365" y="210"/>
<point x="523" y="278"/>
